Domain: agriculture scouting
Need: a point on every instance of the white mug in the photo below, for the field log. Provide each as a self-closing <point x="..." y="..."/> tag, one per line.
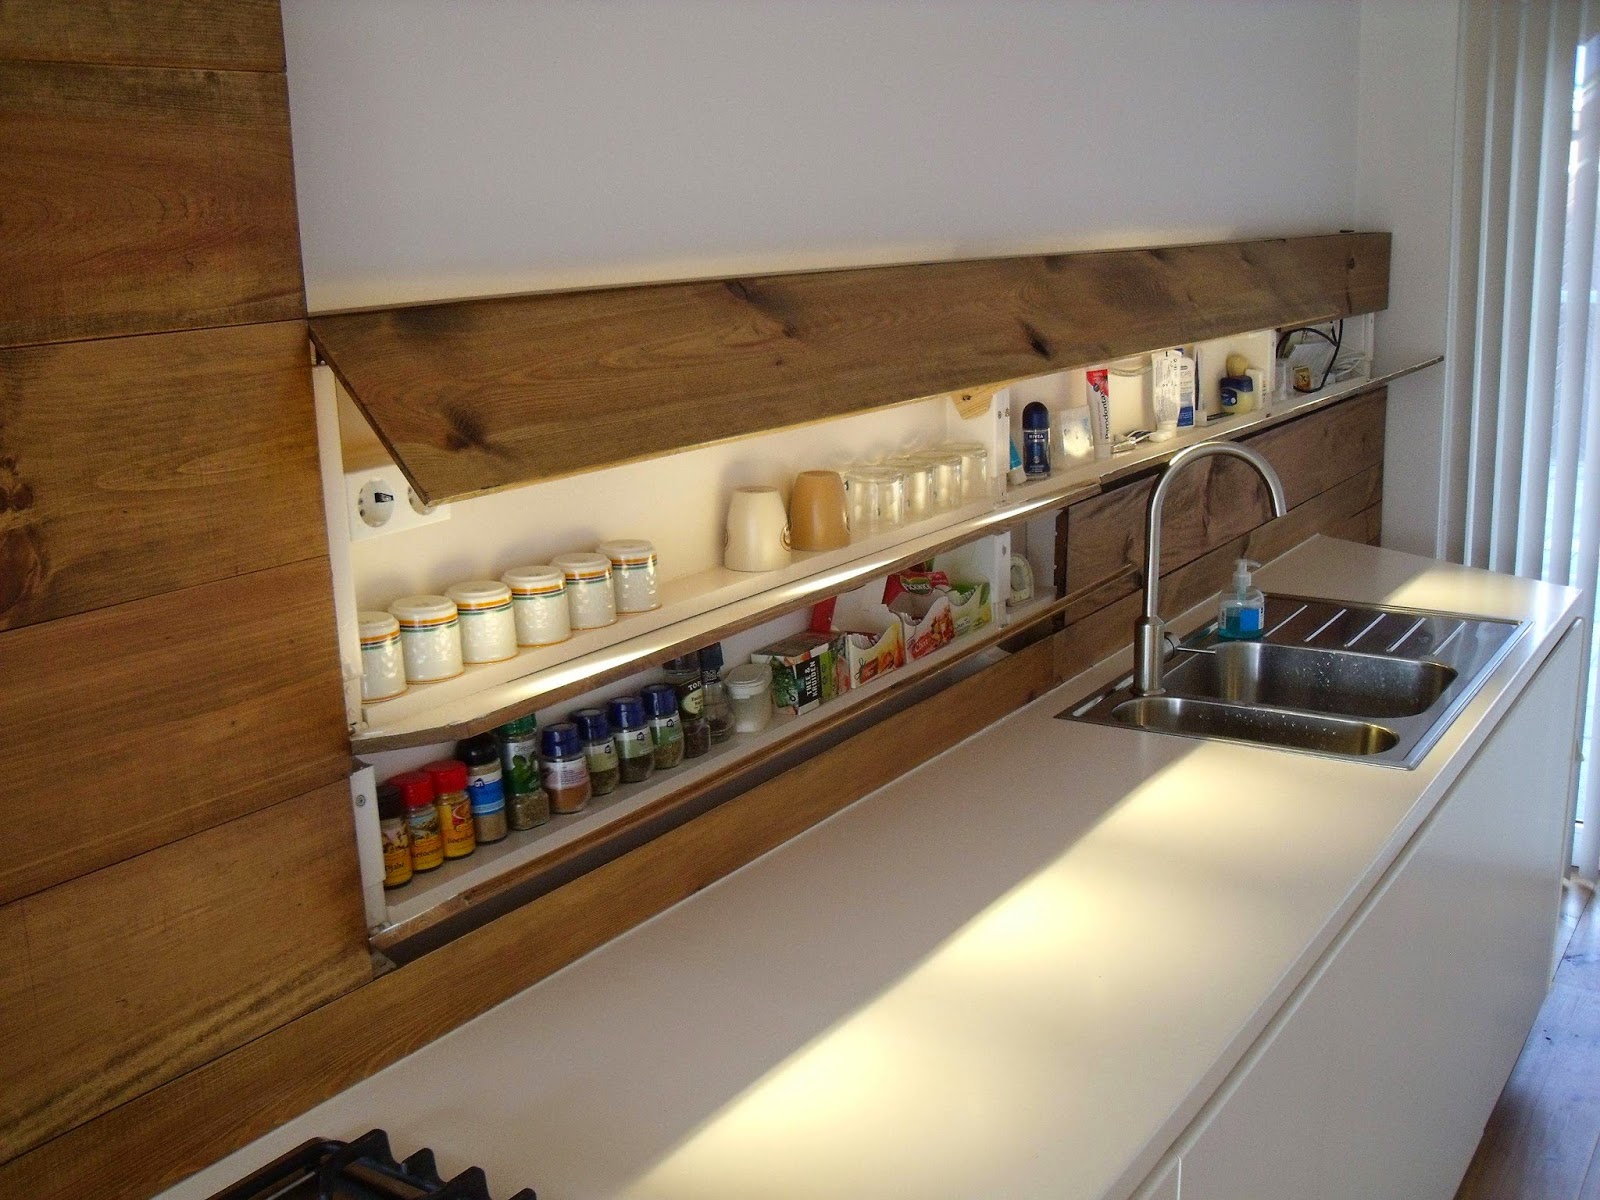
<point x="758" y="530"/>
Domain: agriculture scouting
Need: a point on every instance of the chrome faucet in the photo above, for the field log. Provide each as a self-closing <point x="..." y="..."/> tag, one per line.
<point x="1149" y="631"/>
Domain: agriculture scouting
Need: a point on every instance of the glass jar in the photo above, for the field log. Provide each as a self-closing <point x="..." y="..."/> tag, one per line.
<point x="430" y="637"/>
<point x="383" y="668"/>
<point x="539" y="605"/>
<point x="485" y="787"/>
<point x="876" y="496"/>
<point x="526" y="804"/>
<point x="488" y="630"/>
<point x="566" y="770"/>
<point x="454" y="806"/>
<point x="633" y="574"/>
<point x="636" y="760"/>
<point x="591" y="603"/>
<point x="719" y="713"/>
<point x="666" y="730"/>
<point x="974" y="468"/>
<point x="683" y="673"/>
<point x="396" y="836"/>
<point x="917" y="485"/>
<point x="599" y="750"/>
<point x="947" y="486"/>
<point x="750" y="693"/>
<point x="422" y="819"/>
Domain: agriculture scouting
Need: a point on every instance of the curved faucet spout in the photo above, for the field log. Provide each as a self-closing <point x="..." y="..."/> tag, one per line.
<point x="1150" y="632"/>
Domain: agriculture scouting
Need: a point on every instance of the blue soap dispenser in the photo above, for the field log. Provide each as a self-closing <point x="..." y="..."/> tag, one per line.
<point x="1243" y="611"/>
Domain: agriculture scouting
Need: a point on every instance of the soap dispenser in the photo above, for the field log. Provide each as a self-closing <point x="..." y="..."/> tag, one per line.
<point x="1242" y="612"/>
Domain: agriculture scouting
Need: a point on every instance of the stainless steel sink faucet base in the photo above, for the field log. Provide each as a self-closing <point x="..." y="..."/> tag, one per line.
<point x="1150" y="631"/>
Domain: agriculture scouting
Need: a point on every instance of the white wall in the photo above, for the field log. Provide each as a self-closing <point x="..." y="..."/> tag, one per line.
<point x="447" y="149"/>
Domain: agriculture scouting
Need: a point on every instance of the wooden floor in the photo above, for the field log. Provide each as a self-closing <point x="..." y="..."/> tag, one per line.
<point x="1543" y="1138"/>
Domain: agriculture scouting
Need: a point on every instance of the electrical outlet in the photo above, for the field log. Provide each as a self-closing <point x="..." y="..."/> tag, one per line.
<point x="380" y="500"/>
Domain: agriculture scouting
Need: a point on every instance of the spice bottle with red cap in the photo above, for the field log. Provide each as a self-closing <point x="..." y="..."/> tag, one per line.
<point x="422" y="819"/>
<point x="454" y="805"/>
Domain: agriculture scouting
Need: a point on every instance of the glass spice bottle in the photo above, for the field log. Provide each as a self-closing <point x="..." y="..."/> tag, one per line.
<point x="718" y="709"/>
<point x="666" y="730"/>
<point x="454" y="805"/>
<point x="599" y="750"/>
<point x="422" y="819"/>
<point x="485" y="787"/>
<point x="566" y="771"/>
<point x="684" y="675"/>
<point x="636" y="760"/>
<point x="396" y="836"/>
<point x="526" y="804"/>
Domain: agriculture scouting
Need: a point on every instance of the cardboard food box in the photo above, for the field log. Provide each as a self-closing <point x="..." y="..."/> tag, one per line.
<point x="808" y="669"/>
<point x="869" y="655"/>
<point x="872" y="639"/>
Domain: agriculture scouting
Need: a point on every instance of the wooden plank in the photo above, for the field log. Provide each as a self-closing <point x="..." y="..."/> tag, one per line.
<point x="165" y="1134"/>
<point x="133" y="726"/>
<point x="1218" y="499"/>
<point x="476" y="395"/>
<point x="133" y="466"/>
<point x="223" y="35"/>
<point x="137" y="200"/>
<point x="128" y="977"/>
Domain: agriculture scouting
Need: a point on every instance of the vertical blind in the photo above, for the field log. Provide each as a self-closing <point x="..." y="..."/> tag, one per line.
<point x="1521" y="445"/>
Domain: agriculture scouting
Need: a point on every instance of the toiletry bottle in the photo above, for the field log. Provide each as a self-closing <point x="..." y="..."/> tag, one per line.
<point x="1242" y="613"/>
<point x="1036" y="440"/>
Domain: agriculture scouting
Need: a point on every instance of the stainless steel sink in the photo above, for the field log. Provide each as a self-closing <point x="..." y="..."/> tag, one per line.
<point x="1379" y="684"/>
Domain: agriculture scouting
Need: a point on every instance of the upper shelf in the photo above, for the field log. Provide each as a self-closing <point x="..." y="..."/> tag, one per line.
<point x="472" y="396"/>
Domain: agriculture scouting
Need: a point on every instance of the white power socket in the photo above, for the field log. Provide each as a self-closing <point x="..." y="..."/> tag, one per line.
<point x="380" y="501"/>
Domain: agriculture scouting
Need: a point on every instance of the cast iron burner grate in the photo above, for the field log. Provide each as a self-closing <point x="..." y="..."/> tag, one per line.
<point x="359" y="1170"/>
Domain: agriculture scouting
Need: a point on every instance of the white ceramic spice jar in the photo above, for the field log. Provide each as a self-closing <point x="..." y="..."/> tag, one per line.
<point x="488" y="630"/>
<point x="383" y="670"/>
<point x="590" y="601"/>
<point x="633" y="574"/>
<point x="539" y="604"/>
<point x="430" y="637"/>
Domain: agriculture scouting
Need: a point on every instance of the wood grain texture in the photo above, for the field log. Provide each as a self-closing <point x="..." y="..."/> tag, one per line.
<point x="224" y="35"/>
<point x="127" y="977"/>
<point x="476" y="395"/>
<point x="159" y="1137"/>
<point x="137" y="200"/>
<point x="133" y="466"/>
<point x="136" y="725"/>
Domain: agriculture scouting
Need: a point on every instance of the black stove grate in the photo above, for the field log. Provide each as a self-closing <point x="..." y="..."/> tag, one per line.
<point x="364" y="1169"/>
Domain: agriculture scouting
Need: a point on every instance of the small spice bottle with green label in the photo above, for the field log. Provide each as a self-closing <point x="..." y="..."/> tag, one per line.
<point x="636" y="760"/>
<point x="526" y="803"/>
<point x="599" y="749"/>
<point x="666" y="731"/>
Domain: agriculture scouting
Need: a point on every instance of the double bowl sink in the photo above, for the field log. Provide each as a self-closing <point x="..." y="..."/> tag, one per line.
<point x="1379" y="684"/>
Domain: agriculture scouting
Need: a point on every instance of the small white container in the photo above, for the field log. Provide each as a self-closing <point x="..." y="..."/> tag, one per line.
<point x="591" y="603"/>
<point x="539" y="604"/>
<point x="749" y="690"/>
<point x="383" y="670"/>
<point x="430" y="637"/>
<point x="488" y="630"/>
<point x="633" y="574"/>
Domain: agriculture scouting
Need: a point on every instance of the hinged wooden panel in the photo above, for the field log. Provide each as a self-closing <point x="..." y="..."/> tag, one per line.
<point x="133" y="466"/>
<point x="136" y="200"/>
<point x="476" y="395"/>
<point x="236" y="35"/>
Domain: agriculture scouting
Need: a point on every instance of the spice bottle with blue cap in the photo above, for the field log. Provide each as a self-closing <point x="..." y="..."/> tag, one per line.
<point x="565" y="769"/>
<point x="636" y="760"/>
<point x="599" y="750"/>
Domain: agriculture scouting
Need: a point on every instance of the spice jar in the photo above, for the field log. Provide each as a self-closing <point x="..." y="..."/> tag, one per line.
<point x="683" y="674"/>
<point x="430" y="638"/>
<point x="422" y="819"/>
<point x="590" y="601"/>
<point x="539" y="605"/>
<point x="599" y="750"/>
<point x="383" y="668"/>
<point x="488" y="630"/>
<point x="666" y="731"/>
<point x="566" y="771"/>
<point x="454" y="806"/>
<point x="719" y="713"/>
<point x="633" y="574"/>
<point x="485" y="786"/>
<point x="750" y="692"/>
<point x="396" y="836"/>
<point x="636" y="760"/>
<point x="526" y="803"/>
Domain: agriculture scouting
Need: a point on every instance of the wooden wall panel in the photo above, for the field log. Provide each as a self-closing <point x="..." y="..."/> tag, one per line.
<point x="137" y="200"/>
<point x="127" y="977"/>
<point x="477" y="395"/>
<point x="135" y="725"/>
<point x="134" y="466"/>
<point x="225" y="35"/>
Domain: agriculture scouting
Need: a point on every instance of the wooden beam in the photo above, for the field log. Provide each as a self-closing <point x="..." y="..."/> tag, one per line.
<point x="222" y="35"/>
<point x="476" y="395"/>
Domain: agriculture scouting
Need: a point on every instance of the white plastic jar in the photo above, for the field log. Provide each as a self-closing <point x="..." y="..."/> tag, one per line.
<point x="430" y="637"/>
<point x="590" y="601"/>
<point x="539" y="604"/>
<point x="383" y="670"/>
<point x="750" y="693"/>
<point x="633" y="574"/>
<point x="488" y="630"/>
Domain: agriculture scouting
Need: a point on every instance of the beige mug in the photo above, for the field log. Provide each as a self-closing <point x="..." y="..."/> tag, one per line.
<point x="758" y="530"/>
<point x="817" y="519"/>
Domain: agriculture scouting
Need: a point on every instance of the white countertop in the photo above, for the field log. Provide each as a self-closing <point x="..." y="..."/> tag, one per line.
<point x="1018" y="970"/>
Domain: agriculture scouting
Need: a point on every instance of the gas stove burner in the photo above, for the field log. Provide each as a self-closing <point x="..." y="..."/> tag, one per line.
<point x="364" y="1169"/>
